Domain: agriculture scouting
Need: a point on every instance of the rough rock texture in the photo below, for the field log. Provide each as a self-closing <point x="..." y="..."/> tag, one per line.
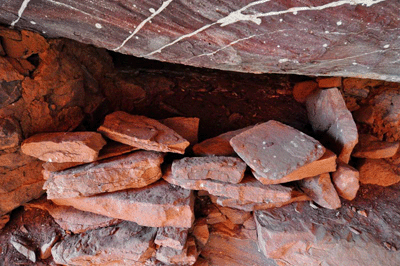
<point x="134" y="170"/>
<point x="63" y="147"/>
<point x="302" y="89"/>
<point x="187" y="127"/>
<point x="377" y="172"/>
<point x="172" y="237"/>
<point x="338" y="38"/>
<point x="371" y="147"/>
<point x="331" y="119"/>
<point x="327" y="163"/>
<point x="200" y="231"/>
<point x="226" y="169"/>
<point x="45" y="249"/>
<point x="122" y="244"/>
<point x="362" y="232"/>
<point x="4" y="220"/>
<point x="334" y="82"/>
<point x="274" y="150"/>
<point x="142" y="132"/>
<point x="346" y="181"/>
<point x="321" y="190"/>
<point x="159" y="204"/>
<point x="73" y="220"/>
<point x="10" y="133"/>
<point x="24" y="248"/>
<point x="234" y="215"/>
<point x="170" y="256"/>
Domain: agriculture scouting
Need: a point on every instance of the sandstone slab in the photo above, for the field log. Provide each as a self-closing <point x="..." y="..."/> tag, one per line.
<point x="134" y="170"/>
<point x="302" y="89"/>
<point x="142" y="132"/>
<point x="321" y="190"/>
<point x="10" y="133"/>
<point x="372" y="148"/>
<point x="377" y="172"/>
<point x="64" y="147"/>
<point x="226" y="169"/>
<point x="187" y="127"/>
<point x="346" y="181"/>
<point x="172" y="237"/>
<point x="330" y="119"/>
<point x="157" y="205"/>
<point x="219" y="145"/>
<point x="325" y="164"/>
<point x="274" y="150"/>
<point x="124" y="244"/>
<point x="170" y="256"/>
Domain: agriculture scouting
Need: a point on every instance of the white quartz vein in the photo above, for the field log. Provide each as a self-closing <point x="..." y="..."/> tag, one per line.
<point x="20" y="11"/>
<point x="158" y="11"/>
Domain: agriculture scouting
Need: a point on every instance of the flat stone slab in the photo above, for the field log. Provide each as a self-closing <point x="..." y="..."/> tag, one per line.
<point x="226" y="169"/>
<point x="64" y="147"/>
<point x="321" y="190"/>
<point x="142" y="132"/>
<point x="372" y="148"/>
<point x="172" y="237"/>
<point x="377" y="172"/>
<point x="346" y="181"/>
<point x="120" y="244"/>
<point x="157" y="205"/>
<point x="134" y="170"/>
<point x="274" y="150"/>
<point x="330" y="118"/>
<point x="187" y="127"/>
<point x="325" y="164"/>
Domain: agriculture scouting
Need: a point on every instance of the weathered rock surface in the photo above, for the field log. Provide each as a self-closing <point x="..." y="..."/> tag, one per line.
<point x="8" y="74"/>
<point x="226" y="169"/>
<point x="321" y="190"/>
<point x="377" y="172"/>
<point x="325" y="164"/>
<point x="157" y="205"/>
<point x="63" y="147"/>
<point x="219" y="145"/>
<point x="10" y="133"/>
<point x="234" y="215"/>
<point x="122" y="244"/>
<point x="274" y="150"/>
<point x="187" y="127"/>
<point x="134" y="170"/>
<point x="170" y="256"/>
<point x="346" y="181"/>
<point x="142" y="132"/>
<point x="331" y="119"/>
<point x="4" y="220"/>
<point x="333" y="82"/>
<point x="302" y="89"/>
<point x="172" y="237"/>
<point x="201" y="232"/>
<point x="24" y="248"/>
<point x="371" y="147"/>
<point x="45" y="249"/>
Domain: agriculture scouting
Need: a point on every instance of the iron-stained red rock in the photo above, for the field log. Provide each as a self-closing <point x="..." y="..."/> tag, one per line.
<point x="172" y="237"/>
<point x="10" y="133"/>
<point x="333" y="82"/>
<point x="377" y="172"/>
<point x="372" y="148"/>
<point x="234" y="215"/>
<point x="187" y="127"/>
<point x="330" y="119"/>
<point x="302" y="89"/>
<point x="345" y="179"/>
<point x="226" y="169"/>
<point x="62" y="147"/>
<point x="157" y="205"/>
<point x="142" y="132"/>
<point x="274" y="150"/>
<point x="170" y="256"/>
<point x="134" y="170"/>
<point x="201" y="232"/>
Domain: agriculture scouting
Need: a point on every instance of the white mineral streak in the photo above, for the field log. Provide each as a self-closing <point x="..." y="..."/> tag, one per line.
<point x="20" y="11"/>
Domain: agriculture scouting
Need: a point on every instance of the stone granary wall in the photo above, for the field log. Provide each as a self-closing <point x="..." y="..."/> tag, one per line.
<point x="117" y="161"/>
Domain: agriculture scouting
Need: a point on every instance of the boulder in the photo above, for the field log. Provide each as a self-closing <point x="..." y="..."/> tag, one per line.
<point x="187" y="127"/>
<point x="346" y="181"/>
<point x="372" y="148"/>
<point x="171" y="237"/>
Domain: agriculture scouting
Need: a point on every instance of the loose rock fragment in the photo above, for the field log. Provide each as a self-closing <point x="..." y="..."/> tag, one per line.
<point x="345" y="179"/>
<point x="201" y="232"/>
<point x="62" y="147"/>
<point x="372" y="148"/>
<point x="226" y="169"/>
<point x="142" y="132"/>
<point x="332" y="82"/>
<point x="23" y="247"/>
<point x="377" y="172"/>
<point x="331" y="119"/>
<point x="187" y="127"/>
<point x="170" y="256"/>
<point x="321" y="190"/>
<point x="234" y="215"/>
<point x="45" y="250"/>
<point x="134" y="170"/>
<point x="157" y="205"/>
<point x="124" y="244"/>
<point x="172" y="237"/>
<point x="274" y="150"/>
<point x="302" y="89"/>
<point x="10" y="133"/>
<point x="4" y="220"/>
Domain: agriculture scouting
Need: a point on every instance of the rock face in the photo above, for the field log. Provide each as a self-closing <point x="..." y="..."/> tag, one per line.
<point x="157" y="205"/>
<point x="134" y="170"/>
<point x="274" y="150"/>
<point x="346" y="181"/>
<point x="142" y="132"/>
<point x="331" y="119"/>
<point x="226" y="169"/>
<point x="372" y="148"/>
<point x="10" y="133"/>
<point x="124" y="244"/>
<point x="64" y="147"/>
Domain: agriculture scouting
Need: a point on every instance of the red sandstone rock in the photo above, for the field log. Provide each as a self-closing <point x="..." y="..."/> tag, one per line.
<point x="45" y="249"/>
<point x="142" y="132"/>
<point x="359" y="87"/>
<point x="187" y="127"/>
<point x="201" y="232"/>
<point x="333" y="82"/>
<point x="274" y="150"/>
<point x="171" y="237"/>
<point x="124" y="244"/>
<point x="302" y="89"/>
<point x="377" y="172"/>
<point x="29" y="43"/>
<point x="327" y="163"/>
<point x="372" y="148"/>
<point x="134" y="170"/>
<point x="64" y="147"/>
<point x="321" y="190"/>
<point x="23" y="66"/>
<point x="8" y="73"/>
<point x="366" y="114"/>
<point x="214" y="216"/>
<point x="10" y="133"/>
<point x="226" y="169"/>
<point x="159" y="204"/>
<point x="345" y="179"/>
<point x="234" y="215"/>
<point x="170" y="256"/>
<point x="330" y="118"/>
<point x="218" y="146"/>
<point x="4" y="220"/>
